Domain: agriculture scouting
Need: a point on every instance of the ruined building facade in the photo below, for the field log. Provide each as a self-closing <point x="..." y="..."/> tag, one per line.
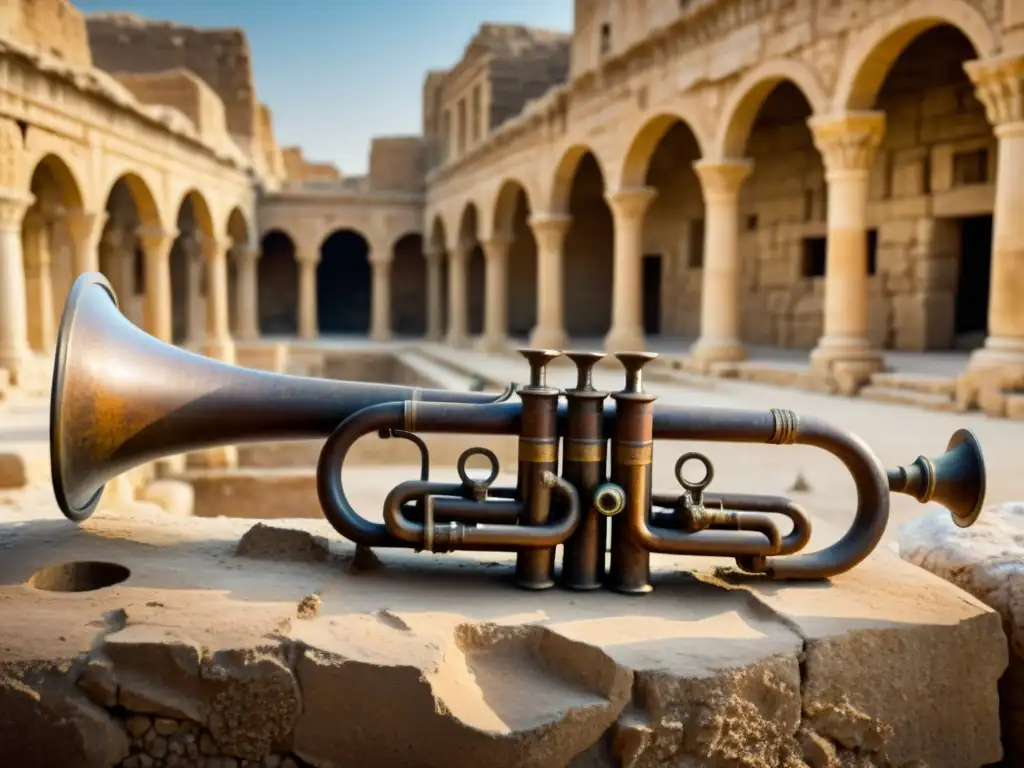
<point x="837" y="178"/>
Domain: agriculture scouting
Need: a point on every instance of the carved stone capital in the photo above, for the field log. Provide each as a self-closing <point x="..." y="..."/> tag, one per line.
<point x="214" y="247"/>
<point x="13" y="206"/>
<point x="631" y="202"/>
<point x="156" y="243"/>
<point x="549" y="229"/>
<point x="496" y="246"/>
<point x="84" y="226"/>
<point x="848" y="142"/>
<point x="999" y="85"/>
<point x="721" y="181"/>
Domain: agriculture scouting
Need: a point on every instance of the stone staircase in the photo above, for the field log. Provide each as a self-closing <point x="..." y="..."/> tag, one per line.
<point x="929" y="391"/>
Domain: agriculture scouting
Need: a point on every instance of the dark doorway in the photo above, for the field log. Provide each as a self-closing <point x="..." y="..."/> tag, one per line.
<point x="652" y="294"/>
<point x="343" y="284"/>
<point x="278" y="286"/>
<point x="971" y="319"/>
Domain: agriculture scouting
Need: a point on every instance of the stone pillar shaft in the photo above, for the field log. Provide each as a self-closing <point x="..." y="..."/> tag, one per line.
<point x="435" y="309"/>
<point x="720" y="292"/>
<point x="307" y="297"/>
<point x="848" y="144"/>
<point x="247" y="289"/>
<point x="380" y="301"/>
<point x="496" y="299"/>
<point x="549" y="230"/>
<point x="13" y="306"/>
<point x="629" y="207"/>
<point x="218" y="343"/>
<point x="156" y="249"/>
<point x="39" y="281"/>
<point x="85" y="229"/>
<point x="458" y="333"/>
<point x="197" y="304"/>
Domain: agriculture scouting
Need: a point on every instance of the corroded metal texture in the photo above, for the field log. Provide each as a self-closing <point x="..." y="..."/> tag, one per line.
<point x="121" y="398"/>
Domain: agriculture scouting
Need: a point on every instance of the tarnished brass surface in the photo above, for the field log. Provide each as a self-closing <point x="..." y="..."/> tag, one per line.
<point x="120" y="398"/>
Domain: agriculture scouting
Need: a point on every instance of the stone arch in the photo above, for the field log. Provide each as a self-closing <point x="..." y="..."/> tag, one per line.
<point x="588" y="251"/>
<point x="278" y="284"/>
<point x="408" y="286"/>
<point x="505" y="203"/>
<point x="646" y="141"/>
<point x="746" y="98"/>
<point x="438" y="234"/>
<point x="188" y="268"/>
<point x="142" y="197"/>
<point x="872" y="53"/>
<point x="203" y="218"/>
<point x="68" y="190"/>
<point x="344" y="283"/>
<point x="565" y="175"/>
<point x="47" y="247"/>
<point x="476" y="268"/>
<point x="129" y="204"/>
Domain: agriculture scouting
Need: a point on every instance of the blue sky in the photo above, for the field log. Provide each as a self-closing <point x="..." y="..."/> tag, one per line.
<point x="337" y="72"/>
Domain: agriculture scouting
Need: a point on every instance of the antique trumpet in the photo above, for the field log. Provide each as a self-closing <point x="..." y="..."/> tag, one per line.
<point x="121" y="398"/>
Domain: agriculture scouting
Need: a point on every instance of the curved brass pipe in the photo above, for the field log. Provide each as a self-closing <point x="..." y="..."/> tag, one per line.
<point x="435" y="537"/>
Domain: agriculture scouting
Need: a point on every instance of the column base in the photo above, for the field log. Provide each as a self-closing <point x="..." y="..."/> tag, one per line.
<point x="14" y="362"/>
<point x="460" y="340"/>
<point x="225" y="457"/>
<point x="380" y="335"/>
<point x="846" y="364"/>
<point x="992" y="372"/>
<point x="625" y="340"/>
<point x="709" y="351"/>
<point x="544" y="337"/>
<point x="493" y="343"/>
<point x="223" y="350"/>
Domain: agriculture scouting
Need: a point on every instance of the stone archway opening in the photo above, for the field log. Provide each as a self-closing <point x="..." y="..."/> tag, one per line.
<point x="278" y="286"/>
<point x="439" y="247"/>
<point x="344" y="284"/>
<point x="512" y="218"/>
<point x="673" y="236"/>
<point x="47" y="252"/>
<point x="238" y="234"/>
<point x="409" y="287"/>
<point x="476" y="287"/>
<point x="129" y="207"/>
<point x="934" y="258"/>
<point x="188" y="277"/>
<point x="588" y="253"/>
<point x="783" y="226"/>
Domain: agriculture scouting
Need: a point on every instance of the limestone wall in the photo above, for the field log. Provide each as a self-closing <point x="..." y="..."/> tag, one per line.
<point x="433" y="134"/>
<point x="526" y="73"/>
<point x="267" y="154"/>
<point x="127" y="43"/>
<point x="184" y="91"/>
<point x="298" y="169"/>
<point x="55" y="27"/>
<point x="397" y="163"/>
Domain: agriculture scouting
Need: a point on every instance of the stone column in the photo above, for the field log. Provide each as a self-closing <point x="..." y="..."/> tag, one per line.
<point x="307" y="295"/>
<point x="495" y="338"/>
<point x="13" y="306"/>
<point x="628" y="209"/>
<point x="999" y="365"/>
<point x="847" y="142"/>
<point x="380" y="300"/>
<point x="39" y="281"/>
<point x="156" y="250"/>
<point x="549" y="231"/>
<point x="720" y="293"/>
<point x="85" y="229"/>
<point x="247" y="288"/>
<point x="217" y="343"/>
<point x="458" y="258"/>
<point x="435" y="317"/>
<point x="197" y="274"/>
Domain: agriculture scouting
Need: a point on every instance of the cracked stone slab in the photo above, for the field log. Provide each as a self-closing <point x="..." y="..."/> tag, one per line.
<point x="439" y="661"/>
<point x="986" y="561"/>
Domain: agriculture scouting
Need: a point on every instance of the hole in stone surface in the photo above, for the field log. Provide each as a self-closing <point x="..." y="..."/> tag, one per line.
<point x="79" y="577"/>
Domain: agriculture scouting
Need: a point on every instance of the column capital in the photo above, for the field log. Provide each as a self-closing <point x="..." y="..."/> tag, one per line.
<point x="999" y="85"/>
<point x="83" y="224"/>
<point x="13" y="206"/>
<point x="497" y="245"/>
<point x="214" y="247"/>
<point x="550" y="223"/>
<point x="433" y="253"/>
<point x="722" y="180"/>
<point x="304" y="259"/>
<point x="848" y="141"/>
<point x="631" y="202"/>
<point x="156" y="240"/>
